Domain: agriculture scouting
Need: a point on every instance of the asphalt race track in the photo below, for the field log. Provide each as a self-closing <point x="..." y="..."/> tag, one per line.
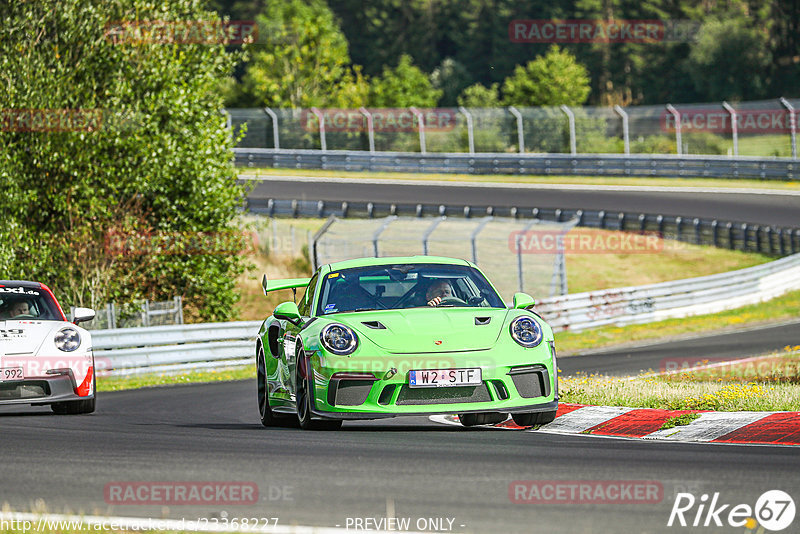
<point x="419" y="469"/>
<point x="773" y="209"/>
<point x="434" y="475"/>
<point x="684" y="351"/>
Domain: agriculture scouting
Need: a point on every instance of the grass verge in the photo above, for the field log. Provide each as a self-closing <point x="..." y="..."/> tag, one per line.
<point x="119" y="383"/>
<point x="733" y="387"/>
<point x="790" y="185"/>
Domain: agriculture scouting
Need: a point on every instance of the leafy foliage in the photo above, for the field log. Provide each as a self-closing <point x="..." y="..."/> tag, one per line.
<point x="550" y="80"/>
<point x="302" y="60"/>
<point x="403" y="86"/>
<point x="129" y="139"/>
<point x="729" y="60"/>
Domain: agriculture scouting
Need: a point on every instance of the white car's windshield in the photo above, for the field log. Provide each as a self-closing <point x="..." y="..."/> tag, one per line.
<point x="22" y="302"/>
<point x="402" y="286"/>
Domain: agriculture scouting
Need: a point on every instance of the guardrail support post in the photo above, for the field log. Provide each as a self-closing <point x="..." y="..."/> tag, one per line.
<point x="272" y="115"/>
<point x="625" y="134"/>
<point x="792" y="125"/>
<point x="677" y="116"/>
<point x="520" y="135"/>
<point x="734" y="127"/>
<point x="421" y="125"/>
<point x="321" y="118"/>
<point x="470" y="131"/>
<point x="573" y="147"/>
<point x="370" y="128"/>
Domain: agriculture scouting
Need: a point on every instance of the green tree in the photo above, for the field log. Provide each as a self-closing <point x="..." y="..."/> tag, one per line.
<point x="405" y="85"/>
<point x="730" y="60"/>
<point x="479" y="96"/>
<point x="550" y="80"/>
<point x="107" y="136"/>
<point x="301" y="59"/>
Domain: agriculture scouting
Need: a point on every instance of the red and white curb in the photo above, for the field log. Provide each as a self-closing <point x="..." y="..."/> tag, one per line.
<point x="768" y="428"/>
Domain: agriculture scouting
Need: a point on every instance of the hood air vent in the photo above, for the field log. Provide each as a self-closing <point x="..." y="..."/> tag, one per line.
<point x="482" y="320"/>
<point x="375" y="325"/>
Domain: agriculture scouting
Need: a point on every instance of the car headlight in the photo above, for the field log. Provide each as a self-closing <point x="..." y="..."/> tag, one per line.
<point x="67" y="339"/>
<point x="338" y="339"/>
<point x="526" y="331"/>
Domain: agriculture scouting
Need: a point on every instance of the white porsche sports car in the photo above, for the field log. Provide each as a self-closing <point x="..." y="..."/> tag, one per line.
<point x="44" y="359"/>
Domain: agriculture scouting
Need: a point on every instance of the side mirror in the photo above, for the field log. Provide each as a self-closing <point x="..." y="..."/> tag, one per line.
<point x="81" y="315"/>
<point x="523" y="301"/>
<point x="287" y="311"/>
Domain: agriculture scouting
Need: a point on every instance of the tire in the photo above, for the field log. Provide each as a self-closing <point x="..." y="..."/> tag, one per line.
<point x="533" y="419"/>
<point x="77" y="407"/>
<point x="268" y="417"/>
<point x="486" y="418"/>
<point x="303" y="403"/>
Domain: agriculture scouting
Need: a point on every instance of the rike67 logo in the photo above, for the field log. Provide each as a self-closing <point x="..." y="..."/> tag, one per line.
<point x="774" y="510"/>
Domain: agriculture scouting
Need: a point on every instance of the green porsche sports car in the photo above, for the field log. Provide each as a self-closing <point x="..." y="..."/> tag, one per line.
<point x="382" y="337"/>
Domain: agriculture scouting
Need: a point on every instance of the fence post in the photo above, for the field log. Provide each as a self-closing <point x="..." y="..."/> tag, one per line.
<point x="792" y="125"/>
<point x="474" y="236"/>
<point x="276" y="142"/>
<point x="520" y="274"/>
<point x="625" y="133"/>
<point x="677" y="116"/>
<point x="734" y="127"/>
<point x="428" y="232"/>
<point x="321" y="118"/>
<point x="520" y="134"/>
<point x="470" y="132"/>
<point x="571" y="117"/>
<point x="378" y="232"/>
<point x="421" y="125"/>
<point x="313" y="247"/>
<point x="179" y="304"/>
<point x="370" y="128"/>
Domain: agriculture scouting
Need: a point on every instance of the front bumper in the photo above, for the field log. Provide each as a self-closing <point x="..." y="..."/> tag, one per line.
<point x="525" y="383"/>
<point x="40" y="391"/>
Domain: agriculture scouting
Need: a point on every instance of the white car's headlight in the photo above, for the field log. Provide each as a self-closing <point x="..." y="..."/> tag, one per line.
<point x="338" y="339"/>
<point x="526" y="331"/>
<point x="67" y="339"/>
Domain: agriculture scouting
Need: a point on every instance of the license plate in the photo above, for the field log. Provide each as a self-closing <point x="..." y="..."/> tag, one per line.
<point x="437" y="378"/>
<point x="11" y="373"/>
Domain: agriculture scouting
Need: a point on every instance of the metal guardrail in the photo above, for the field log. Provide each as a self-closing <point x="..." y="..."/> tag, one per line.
<point x="640" y="165"/>
<point x="125" y="351"/>
<point x="679" y="298"/>
<point x="734" y="235"/>
<point x="171" y="348"/>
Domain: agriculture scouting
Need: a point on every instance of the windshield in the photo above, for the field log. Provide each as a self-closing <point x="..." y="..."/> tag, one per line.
<point x="387" y="287"/>
<point x="17" y="302"/>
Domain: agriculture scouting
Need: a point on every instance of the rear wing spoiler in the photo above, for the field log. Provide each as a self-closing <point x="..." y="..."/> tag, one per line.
<point x="286" y="283"/>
